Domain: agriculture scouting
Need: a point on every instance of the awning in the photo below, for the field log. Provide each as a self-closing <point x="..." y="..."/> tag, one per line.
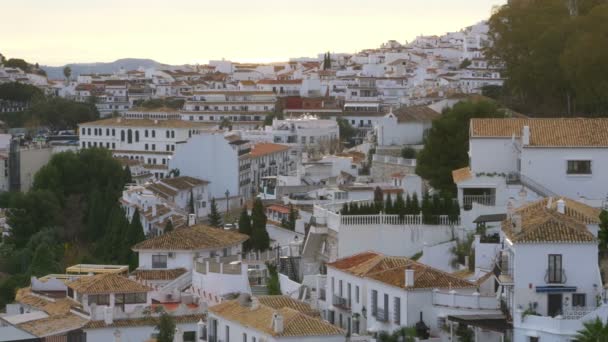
<point x="555" y="289"/>
<point x="490" y="218"/>
<point x="496" y="323"/>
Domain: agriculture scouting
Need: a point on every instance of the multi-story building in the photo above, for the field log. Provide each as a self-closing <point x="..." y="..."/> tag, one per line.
<point x="268" y="159"/>
<point x="233" y="105"/>
<point x="151" y="141"/>
<point x="306" y="132"/>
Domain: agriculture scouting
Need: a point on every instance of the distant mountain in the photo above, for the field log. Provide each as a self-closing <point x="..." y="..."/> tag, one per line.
<point x="101" y="68"/>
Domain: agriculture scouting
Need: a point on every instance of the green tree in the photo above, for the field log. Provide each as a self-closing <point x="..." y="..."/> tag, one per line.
<point x="245" y="228"/>
<point x="17" y="63"/>
<point x="465" y="63"/>
<point x="270" y="117"/>
<point x="168" y="227"/>
<point x="388" y="205"/>
<point x="226" y="123"/>
<point x="274" y="285"/>
<point x="16" y="91"/>
<point x="415" y="204"/>
<point x="215" y="219"/>
<point x="378" y="195"/>
<point x="67" y="73"/>
<point x="30" y="213"/>
<point x="191" y="203"/>
<point x="593" y="331"/>
<point x="347" y="132"/>
<point x="128" y="176"/>
<point x="292" y="218"/>
<point x="399" y="207"/>
<point x="427" y="209"/>
<point x="44" y="261"/>
<point x="134" y="235"/>
<point x="446" y="147"/>
<point x="603" y="232"/>
<point x="260" y="241"/>
<point x="408" y="153"/>
<point x="165" y="328"/>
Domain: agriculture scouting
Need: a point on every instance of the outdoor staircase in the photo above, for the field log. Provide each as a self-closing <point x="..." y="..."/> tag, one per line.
<point x="259" y="290"/>
<point x="180" y="283"/>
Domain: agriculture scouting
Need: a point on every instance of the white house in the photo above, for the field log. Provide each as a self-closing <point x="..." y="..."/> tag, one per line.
<point x="406" y="126"/>
<point x="234" y="105"/>
<point x="260" y="319"/>
<point x="544" y="284"/>
<point x="181" y="191"/>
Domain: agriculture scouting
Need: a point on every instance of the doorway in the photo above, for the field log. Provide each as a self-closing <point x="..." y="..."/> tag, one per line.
<point x="554" y="304"/>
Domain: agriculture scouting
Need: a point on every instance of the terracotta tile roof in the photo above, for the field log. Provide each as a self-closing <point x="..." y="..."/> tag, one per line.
<point x="53" y="325"/>
<point x="262" y="149"/>
<point x="546" y="226"/>
<point x="107" y="283"/>
<point x="461" y="175"/>
<point x="58" y="307"/>
<point x="161" y="190"/>
<point x="574" y="209"/>
<point x="183" y="182"/>
<point x="280" y="82"/>
<point x="159" y="274"/>
<point x="279" y="208"/>
<point x="391" y="271"/>
<point x="278" y="302"/>
<point x="550" y="132"/>
<point x="193" y="238"/>
<point x="144" y="321"/>
<point x="295" y="323"/>
<point x="416" y="114"/>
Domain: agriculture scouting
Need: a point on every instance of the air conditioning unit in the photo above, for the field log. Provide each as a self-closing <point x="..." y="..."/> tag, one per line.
<point x="171" y="255"/>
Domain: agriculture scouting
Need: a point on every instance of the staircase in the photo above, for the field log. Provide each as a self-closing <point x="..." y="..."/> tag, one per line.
<point x="180" y="283"/>
<point x="539" y="189"/>
<point x="259" y="290"/>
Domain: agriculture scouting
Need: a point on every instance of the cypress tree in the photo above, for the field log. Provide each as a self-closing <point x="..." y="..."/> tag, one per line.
<point x="293" y="217"/>
<point x="388" y="205"/>
<point x="43" y="261"/>
<point x="191" y="203"/>
<point x="215" y="219"/>
<point x="344" y="210"/>
<point x="415" y="204"/>
<point x="133" y="235"/>
<point x="245" y="228"/>
<point x="408" y="204"/>
<point x="260" y="241"/>
<point x="96" y="215"/>
<point x="399" y="206"/>
<point x="427" y="209"/>
<point x="168" y="227"/>
<point x="378" y="195"/>
<point x="128" y="178"/>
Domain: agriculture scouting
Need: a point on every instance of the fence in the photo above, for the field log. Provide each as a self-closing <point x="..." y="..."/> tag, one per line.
<point x="394" y="160"/>
<point x="473" y="301"/>
<point x="361" y="220"/>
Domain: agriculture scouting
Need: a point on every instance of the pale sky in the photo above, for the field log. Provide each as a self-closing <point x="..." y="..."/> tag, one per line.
<point x="56" y="32"/>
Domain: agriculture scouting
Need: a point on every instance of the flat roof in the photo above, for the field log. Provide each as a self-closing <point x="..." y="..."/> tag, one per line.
<point x="97" y="269"/>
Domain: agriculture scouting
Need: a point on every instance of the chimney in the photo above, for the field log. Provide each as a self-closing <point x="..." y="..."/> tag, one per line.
<point x="191" y="220"/>
<point x="108" y="315"/>
<point x="525" y="136"/>
<point x="561" y="206"/>
<point x="255" y="303"/>
<point x="277" y="323"/>
<point x="409" y="277"/>
<point x="516" y="221"/>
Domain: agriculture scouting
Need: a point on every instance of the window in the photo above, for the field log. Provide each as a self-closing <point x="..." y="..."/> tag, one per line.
<point x="146" y="147"/>
<point x="533" y="339"/>
<point x="579" y="167"/>
<point x="113" y="145"/>
<point x="374" y="303"/>
<point x="357" y="293"/>
<point x="333" y="285"/>
<point x="172" y="134"/>
<point x="129" y="137"/>
<point x="99" y="299"/>
<point x="579" y="299"/>
<point x="554" y="271"/>
<point x="122" y="135"/>
<point x="189" y="336"/>
<point x="153" y="134"/>
<point x="130" y="298"/>
<point x="227" y="334"/>
<point x="136" y="136"/>
<point x="386" y="305"/>
<point x="167" y="134"/>
<point x="340" y="287"/>
<point x="397" y="310"/>
<point x="159" y="261"/>
<point x="153" y="147"/>
<point x="244" y="337"/>
<point x="113" y="132"/>
<point x="146" y="133"/>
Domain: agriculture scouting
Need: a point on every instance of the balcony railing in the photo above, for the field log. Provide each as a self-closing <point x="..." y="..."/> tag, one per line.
<point x="341" y="303"/>
<point x="555" y="276"/>
<point x="382" y="315"/>
<point x="468" y="200"/>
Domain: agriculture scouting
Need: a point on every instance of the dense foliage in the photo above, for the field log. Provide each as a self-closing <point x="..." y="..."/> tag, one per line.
<point x="593" y="331"/>
<point x="259" y="239"/>
<point x="446" y="147"/>
<point x="290" y="221"/>
<point x="554" y="56"/>
<point x="245" y="228"/>
<point x="166" y="328"/>
<point x="214" y="216"/>
<point x="71" y="215"/>
<point x="274" y="285"/>
<point x="15" y="91"/>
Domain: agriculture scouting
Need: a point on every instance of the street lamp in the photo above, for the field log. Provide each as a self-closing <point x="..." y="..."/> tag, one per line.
<point x="227" y="193"/>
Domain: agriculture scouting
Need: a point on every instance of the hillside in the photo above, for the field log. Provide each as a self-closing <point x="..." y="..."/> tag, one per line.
<point x="101" y="68"/>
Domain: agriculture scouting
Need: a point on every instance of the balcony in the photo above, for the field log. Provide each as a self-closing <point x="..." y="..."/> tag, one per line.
<point x="555" y="276"/>
<point x="382" y="315"/>
<point x="341" y="303"/>
<point x="468" y="200"/>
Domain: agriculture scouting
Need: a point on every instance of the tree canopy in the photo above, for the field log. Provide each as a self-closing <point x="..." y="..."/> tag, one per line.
<point x="446" y="147"/>
<point x="260" y="241"/>
<point x="554" y="61"/>
<point x="215" y="218"/>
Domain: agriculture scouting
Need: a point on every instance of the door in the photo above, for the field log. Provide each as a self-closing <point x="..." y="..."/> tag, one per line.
<point x="554" y="306"/>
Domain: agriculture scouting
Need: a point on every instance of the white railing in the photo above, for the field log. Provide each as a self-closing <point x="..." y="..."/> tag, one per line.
<point x="473" y="301"/>
<point x="179" y="283"/>
<point x="394" y="160"/>
<point x="577" y="312"/>
<point x="362" y="220"/>
<point x="468" y="200"/>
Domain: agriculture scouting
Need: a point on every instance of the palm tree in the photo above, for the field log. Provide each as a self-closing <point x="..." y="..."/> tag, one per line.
<point x="593" y="331"/>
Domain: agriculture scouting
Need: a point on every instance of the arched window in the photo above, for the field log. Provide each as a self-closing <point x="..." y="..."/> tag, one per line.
<point x="129" y="137"/>
<point x="136" y="136"/>
<point x="172" y="134"/>
<point x="122" y="135"/>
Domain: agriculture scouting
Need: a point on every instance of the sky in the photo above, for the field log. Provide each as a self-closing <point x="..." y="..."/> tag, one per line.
<point x="56" y="32"/>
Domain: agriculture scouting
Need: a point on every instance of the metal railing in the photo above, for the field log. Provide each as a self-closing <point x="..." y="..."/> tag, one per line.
<point x="382" y="315"/>
<point x="577" y="312"/>
<point x="517" y="177"/>
<point x="468" y="200"/>
<point x="555" y="276"/>
<point x="340" y="302"/>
